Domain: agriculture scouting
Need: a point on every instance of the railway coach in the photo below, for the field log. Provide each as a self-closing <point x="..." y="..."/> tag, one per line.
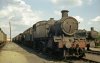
<point x="3" y="38"/>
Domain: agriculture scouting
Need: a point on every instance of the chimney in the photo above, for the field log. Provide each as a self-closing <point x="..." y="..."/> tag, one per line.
<point x="64" y="13"/>
<point x="92" y="28"/>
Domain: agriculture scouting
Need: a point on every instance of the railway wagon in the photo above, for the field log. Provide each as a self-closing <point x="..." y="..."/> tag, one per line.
<point x="15" y="39"/>
<point x="3" y="38"/>
<point x="27" y="37"/>
<point x="19" y="38"/>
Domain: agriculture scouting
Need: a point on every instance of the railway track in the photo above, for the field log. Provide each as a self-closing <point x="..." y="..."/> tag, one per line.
<point x="81" y="60"/>
<point x="89" y="60"/>
<point x="67" y="60"/>
<point x="94" y="52"/>
<point x="70" y="60"/>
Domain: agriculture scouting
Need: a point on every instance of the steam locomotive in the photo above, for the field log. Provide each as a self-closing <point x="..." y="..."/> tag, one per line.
<point x="92" y="38"/>
<point x="59" y="38"/>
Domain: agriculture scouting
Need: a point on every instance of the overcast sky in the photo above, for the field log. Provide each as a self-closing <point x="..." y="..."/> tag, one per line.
<point x="24" y="13"/>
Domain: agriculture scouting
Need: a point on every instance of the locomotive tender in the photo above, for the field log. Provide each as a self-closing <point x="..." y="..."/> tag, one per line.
<point x="3" y="38"/>
<point x="55" y="37"/>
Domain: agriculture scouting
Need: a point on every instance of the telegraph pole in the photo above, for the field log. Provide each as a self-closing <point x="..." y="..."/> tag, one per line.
<point x="10" y="19"/>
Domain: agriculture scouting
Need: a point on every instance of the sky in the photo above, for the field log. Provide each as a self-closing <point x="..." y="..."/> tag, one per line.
<point x="25" y="13"/>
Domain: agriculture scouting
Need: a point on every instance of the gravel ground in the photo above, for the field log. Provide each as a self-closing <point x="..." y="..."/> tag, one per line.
<point x="13" y="53"/>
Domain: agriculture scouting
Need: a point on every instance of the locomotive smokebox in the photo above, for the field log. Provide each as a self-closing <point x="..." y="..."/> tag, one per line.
<point x="64" y="13"/>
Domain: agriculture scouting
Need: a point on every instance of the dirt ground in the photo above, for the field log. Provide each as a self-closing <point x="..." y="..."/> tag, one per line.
<point x="13" y="53"/>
